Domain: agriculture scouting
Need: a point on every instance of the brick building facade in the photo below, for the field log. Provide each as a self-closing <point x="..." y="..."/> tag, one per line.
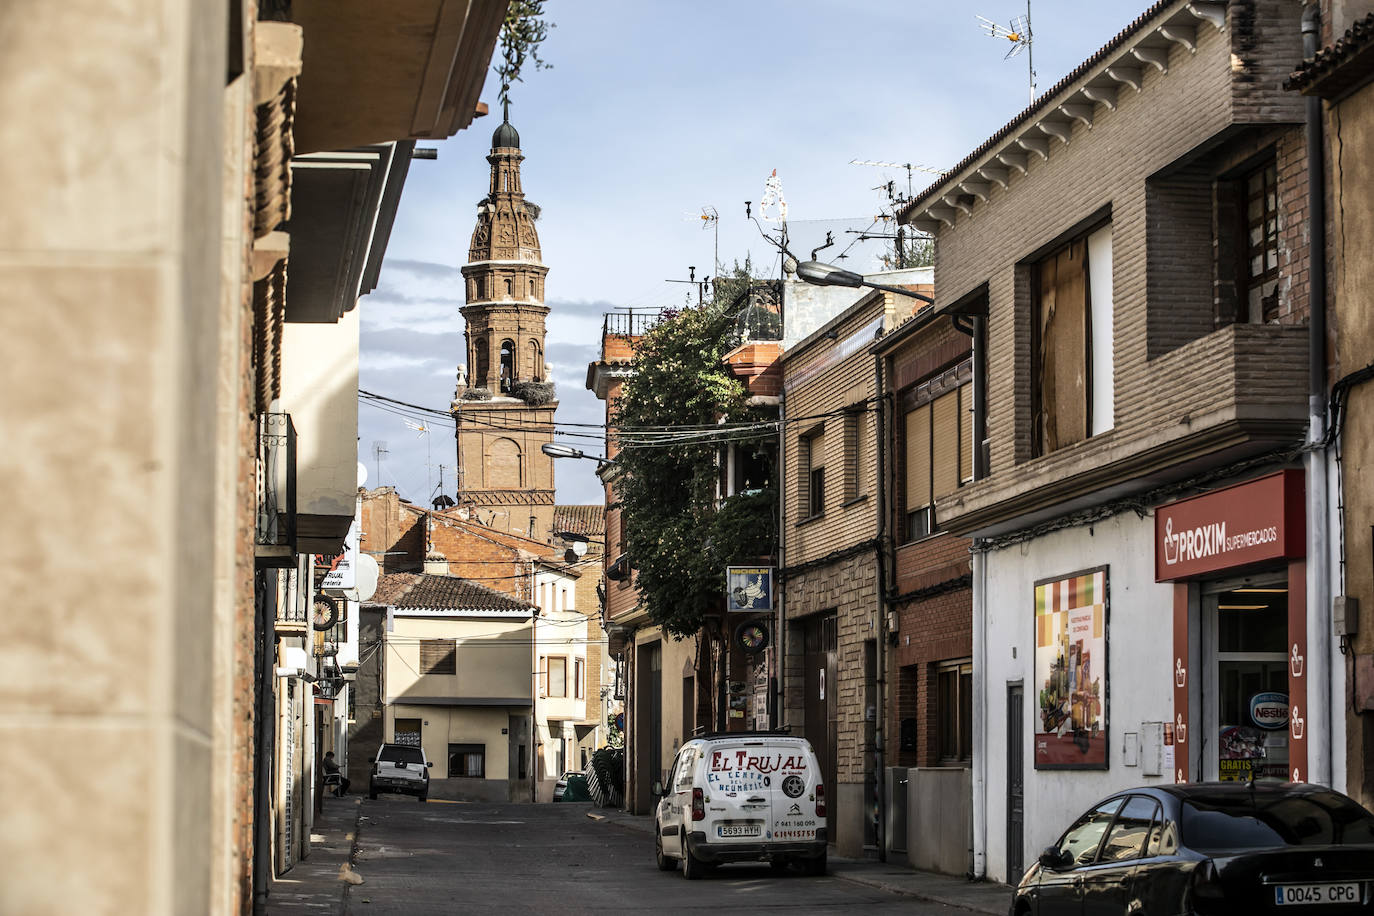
<point x="1129" y="258"/>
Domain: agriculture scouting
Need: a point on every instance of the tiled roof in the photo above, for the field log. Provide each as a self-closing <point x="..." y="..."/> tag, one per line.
<point x="1028" y="113"/>
<point x="419" y="590"/>
<point x="584" y="520"/>
<point x="1327" y="73"/>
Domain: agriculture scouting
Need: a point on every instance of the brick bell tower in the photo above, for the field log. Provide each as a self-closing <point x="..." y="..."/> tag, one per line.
<point x="504" y="403"/>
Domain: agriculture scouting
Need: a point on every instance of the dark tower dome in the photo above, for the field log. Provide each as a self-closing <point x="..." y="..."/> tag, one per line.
<point x="506" y="135"/>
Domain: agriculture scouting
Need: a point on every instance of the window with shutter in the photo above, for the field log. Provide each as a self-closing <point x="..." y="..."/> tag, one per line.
<point x="558" y="676"/>
<point x="917" y="471"/>
<point x="438" y="656"/>
<point x="944" y="446"/>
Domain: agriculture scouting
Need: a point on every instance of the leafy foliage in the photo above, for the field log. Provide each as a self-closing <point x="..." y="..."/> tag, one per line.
<point x="522" y="33"/>
<point x="677" y="538"/>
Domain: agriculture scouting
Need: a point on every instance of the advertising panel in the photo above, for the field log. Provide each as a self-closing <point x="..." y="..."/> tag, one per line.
<point x="1071" y="671"/>
<point x="748" y="588"/>
<point x="341" y="569"/>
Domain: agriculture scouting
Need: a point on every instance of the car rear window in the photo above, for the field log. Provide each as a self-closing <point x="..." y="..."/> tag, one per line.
<point x="1240" y="821"/>
<point x="395" y="753"/>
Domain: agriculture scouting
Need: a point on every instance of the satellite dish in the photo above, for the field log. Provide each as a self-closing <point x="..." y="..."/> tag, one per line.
<point x="366" y="579"/>
<point x="579" y="548"/>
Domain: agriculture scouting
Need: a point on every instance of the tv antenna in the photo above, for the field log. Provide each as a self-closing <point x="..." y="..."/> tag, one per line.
<point x="379" y="451"/>
<point x="692" y="279"/>
<point x="898" y="165"/>
<point x="1020" y="35"/>
<point x="710" y="219"/>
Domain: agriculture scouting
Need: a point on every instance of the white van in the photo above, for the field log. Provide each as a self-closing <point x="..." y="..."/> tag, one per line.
<point x="742" y="797"/>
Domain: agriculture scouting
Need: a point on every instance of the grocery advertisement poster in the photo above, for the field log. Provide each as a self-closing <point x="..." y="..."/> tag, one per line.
<point x="1071" y="671"/>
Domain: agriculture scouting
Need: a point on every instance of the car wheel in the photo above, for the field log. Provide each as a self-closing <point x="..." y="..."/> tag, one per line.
<point x="779" y="866"/>
<point x="692" y="867"/>
<point x="664" y="863"/>
<point x="423" y="797"/>
<point x="371" y="791"/>
<point x="815" y="868"/>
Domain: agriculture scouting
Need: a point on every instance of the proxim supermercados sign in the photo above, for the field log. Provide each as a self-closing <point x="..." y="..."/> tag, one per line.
<point x="1252" y="522"/>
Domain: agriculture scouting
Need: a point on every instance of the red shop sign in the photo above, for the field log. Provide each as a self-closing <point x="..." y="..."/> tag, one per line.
<point x="1251" y="522"/>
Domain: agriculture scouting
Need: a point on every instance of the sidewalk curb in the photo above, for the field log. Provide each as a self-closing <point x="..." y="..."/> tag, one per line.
<point x="913" y="894"/>
<point x="352" y="857"/>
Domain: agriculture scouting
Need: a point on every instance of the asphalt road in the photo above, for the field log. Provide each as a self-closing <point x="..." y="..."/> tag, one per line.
<point x="419" y="859"/>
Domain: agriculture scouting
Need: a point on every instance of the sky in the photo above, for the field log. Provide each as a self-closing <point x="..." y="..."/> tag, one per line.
<point x="656" y="110"/>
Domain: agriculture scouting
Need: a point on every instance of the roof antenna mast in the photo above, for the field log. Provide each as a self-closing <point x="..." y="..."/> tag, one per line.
<point x="1021" y="38"/>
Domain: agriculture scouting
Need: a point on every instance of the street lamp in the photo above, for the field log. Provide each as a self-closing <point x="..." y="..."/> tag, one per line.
<point x="829" y="275"/>
<point x="554" y="450"/>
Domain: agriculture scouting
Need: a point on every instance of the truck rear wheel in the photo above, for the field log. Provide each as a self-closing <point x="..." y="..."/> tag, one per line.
<point x="815" y="868"/>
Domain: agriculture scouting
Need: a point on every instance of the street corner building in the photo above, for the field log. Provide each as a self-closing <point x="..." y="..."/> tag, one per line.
<point x="1135" y="259"/>
<point x="193" y="215"/>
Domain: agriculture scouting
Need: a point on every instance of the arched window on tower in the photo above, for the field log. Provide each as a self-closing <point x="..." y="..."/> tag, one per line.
<point x="536" y="361"/>
<point x="507" y="365"/>
<point x="482" y="362"/>
<point x="510" y="288"/>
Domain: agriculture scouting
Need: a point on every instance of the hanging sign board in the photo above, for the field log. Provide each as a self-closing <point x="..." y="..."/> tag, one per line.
<point x="748" y="589"/>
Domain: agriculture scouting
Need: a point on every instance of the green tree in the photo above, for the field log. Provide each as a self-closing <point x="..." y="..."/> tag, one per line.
<point x="678" y="539"/>
<point x="523" y="31"/>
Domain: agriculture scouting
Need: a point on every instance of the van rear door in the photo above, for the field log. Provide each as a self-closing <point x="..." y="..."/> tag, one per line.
<point x="754" y="785"/>
<point x="793" y="792"/>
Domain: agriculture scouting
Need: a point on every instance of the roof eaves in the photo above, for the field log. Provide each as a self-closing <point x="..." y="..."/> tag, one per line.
<point x="1210" y="10"/>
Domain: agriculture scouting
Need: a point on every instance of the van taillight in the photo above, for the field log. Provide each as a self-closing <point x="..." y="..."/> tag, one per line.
<point x="698" y="806"/>
<point x="820" y="800"/>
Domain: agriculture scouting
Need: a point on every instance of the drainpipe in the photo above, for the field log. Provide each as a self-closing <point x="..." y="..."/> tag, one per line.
<point x="264" y="738"/>
<point x="1319" y="751"/>
<point x="975" y="326"/>
<point x="780" y="587"/>
<point x="880" y="706"/>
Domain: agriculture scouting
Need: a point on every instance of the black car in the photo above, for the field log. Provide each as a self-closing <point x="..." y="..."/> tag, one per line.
<point x="1209" y="848"/>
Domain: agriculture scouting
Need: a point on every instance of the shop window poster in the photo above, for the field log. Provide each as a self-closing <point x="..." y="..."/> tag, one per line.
<point x="1071" y="671"/>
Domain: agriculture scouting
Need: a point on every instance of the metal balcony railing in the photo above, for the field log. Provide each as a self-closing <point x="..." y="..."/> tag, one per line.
<point x="629" y="323"/>
<point x="276" y="515"/>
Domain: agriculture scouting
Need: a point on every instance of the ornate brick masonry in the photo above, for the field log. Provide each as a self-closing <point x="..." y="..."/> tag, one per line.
<point x="504" y="403"/>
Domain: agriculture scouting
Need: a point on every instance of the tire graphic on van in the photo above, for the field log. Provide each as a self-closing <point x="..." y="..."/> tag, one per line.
<point x="793" y="786"/>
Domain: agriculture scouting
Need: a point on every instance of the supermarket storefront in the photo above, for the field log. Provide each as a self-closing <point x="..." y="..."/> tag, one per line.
<point x="1236" y="558"/>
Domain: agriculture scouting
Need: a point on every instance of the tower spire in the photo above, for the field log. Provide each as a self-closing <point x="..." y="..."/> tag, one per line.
<point x="504" y="403"/>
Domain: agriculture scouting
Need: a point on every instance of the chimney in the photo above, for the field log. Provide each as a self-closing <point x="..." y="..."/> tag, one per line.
<point x="436" y="564"/>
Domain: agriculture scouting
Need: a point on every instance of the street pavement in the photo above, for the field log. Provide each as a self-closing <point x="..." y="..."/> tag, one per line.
<point x="440" y="857"/>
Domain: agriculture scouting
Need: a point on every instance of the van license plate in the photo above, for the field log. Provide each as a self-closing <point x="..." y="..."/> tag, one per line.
<point x="1291" y="894"/>
<point x="737" y="830"/>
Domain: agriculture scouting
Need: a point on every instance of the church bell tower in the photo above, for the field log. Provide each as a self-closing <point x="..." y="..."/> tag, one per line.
<point x="504" y="404"/>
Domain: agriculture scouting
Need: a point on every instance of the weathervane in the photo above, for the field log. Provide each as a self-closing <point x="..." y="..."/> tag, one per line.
<point x="1020" y="36"/>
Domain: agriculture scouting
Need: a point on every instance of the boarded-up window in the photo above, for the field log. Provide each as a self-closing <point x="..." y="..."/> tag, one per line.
<point x="1072" y="337"/>
<point x="558" y="676"/>
<point x="1062" y="348"/>
<point x="438" y="656"/>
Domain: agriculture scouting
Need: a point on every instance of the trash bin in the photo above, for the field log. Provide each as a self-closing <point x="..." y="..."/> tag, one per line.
<point x="576" y="790"/>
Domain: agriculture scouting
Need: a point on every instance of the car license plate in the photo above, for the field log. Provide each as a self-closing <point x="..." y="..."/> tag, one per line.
<point x="737" y="830"/>
<point x="1293" y="894"/>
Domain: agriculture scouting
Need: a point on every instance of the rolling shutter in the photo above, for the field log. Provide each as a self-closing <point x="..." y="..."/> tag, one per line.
<point x="945" y="445"/>
<point x="917" y="454"/>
